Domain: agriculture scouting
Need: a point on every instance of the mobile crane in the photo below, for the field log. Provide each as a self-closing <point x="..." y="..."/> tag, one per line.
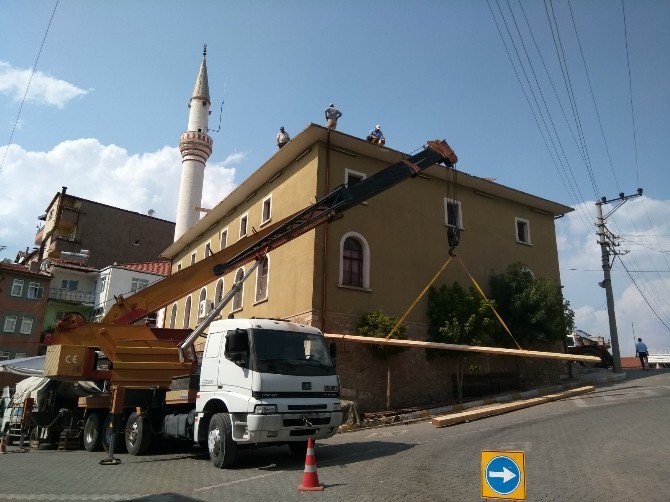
<point x="260" y="382"/>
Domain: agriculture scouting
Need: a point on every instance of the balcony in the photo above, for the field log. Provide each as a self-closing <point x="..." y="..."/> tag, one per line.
<point x="39" y="236"/>
<point x="68" y="295"/>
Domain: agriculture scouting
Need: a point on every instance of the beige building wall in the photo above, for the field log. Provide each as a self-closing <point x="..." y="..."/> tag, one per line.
<point x="290" y="288"/>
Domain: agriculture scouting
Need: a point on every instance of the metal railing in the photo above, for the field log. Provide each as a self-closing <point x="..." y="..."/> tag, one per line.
<point x="70" y="295"/>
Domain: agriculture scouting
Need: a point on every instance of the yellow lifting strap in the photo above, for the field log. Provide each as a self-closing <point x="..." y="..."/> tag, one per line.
<point x="488" y="302"/>
<point x="432" y="281"/>
<point x="425" y="290"/>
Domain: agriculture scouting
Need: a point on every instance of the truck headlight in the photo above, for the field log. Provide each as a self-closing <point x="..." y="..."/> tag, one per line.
<point x="265" y="409"/>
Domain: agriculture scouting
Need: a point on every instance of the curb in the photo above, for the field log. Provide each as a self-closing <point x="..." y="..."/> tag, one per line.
<point x="584" y="379"/>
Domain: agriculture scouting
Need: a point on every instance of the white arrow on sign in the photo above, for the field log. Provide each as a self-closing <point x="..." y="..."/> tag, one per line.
<point x="506" y="474"/>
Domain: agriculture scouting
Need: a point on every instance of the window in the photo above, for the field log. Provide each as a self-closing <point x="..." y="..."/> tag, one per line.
<point x="208" y="249"/>
<point x="173" y="315"/>
<point x="237" y="299"/>
<point x="218" y="292"/>
<point x="522" y="229"/>
<point x="103" y="283"/>
<point x="453" y="216"/>
<point x="35" y="291"/>
<point x="193" y="257"/>
<point x="17" y="287"/>
<point x="243" y="225"/>
<point x="137" y="284"/>
<point x="354" y="261"/>
<point x="267" y="210"/>
<point x="4" y="355"/>
<point x="178" y="266"/>
<point x="187" y="313"/>
<point x="26" y="325"/>
<point x="10" y="324"/>
<point x="224" y="238"/>
<point x="352" y="273"/>
<point x="69" y="284"/>
<point x="262" y="273"/>
<point x="352" y="177"/>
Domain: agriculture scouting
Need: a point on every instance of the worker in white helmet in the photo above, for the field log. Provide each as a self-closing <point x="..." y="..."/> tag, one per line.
<point x="376" y="136"/>
<point x="282" y="137"/>
<point x="332" y="114"/>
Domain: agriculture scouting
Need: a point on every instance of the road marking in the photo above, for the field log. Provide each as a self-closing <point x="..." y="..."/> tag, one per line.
<point x="386" y="434"/>
<point x="236" y="481"/>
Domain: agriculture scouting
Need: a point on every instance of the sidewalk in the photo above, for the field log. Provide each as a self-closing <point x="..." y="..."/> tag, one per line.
<point x="583" y="376"/>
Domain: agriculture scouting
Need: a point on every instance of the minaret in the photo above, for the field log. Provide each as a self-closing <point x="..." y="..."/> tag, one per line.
<point x="195" y="147"/>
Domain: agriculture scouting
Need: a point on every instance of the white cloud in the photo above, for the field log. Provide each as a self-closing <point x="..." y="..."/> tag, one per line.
<point x="102" y="173"/>
<point x="642" y="225"/>
<point x="44" y="89"/>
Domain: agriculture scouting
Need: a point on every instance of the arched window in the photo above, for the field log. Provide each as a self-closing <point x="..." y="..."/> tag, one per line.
<point x="203" y="294"/>
<point x="262" y="273"/>
<point x="173" y="315"/>
<point x="354" y="261"/>
<point x="218" y="292"/>
<point x="187" y="313"/>
<point x="237" y="299"/>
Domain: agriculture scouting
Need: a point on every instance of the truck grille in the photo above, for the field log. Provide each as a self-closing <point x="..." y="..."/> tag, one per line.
<point x="303" y="432"/>
<point x="294" y="407"/>
<point x="297" y="422"/>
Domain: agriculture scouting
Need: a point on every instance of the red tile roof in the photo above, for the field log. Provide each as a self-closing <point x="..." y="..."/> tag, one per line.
<point x="15" y="267"/>
<point x="161" y="267"/>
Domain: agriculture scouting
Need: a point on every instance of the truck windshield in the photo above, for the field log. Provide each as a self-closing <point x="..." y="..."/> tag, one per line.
<point x="290" y="353"/>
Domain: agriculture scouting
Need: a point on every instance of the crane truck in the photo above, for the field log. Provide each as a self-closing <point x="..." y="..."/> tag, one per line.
<point x="259" y="381"/>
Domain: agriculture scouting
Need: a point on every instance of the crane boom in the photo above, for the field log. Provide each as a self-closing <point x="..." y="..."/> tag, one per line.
<point x="338" y="201"/>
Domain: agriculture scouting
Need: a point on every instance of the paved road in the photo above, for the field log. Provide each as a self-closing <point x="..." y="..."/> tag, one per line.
<point x="612" y="445"/>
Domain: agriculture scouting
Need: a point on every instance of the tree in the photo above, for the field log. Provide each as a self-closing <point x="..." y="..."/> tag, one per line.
<point x="533" y="308"/>
<point x="460" y="317"/>
<point x="376" y="324"/>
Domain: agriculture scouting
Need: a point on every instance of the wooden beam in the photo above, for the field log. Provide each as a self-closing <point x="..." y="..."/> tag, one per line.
<point x="499" y="351"/>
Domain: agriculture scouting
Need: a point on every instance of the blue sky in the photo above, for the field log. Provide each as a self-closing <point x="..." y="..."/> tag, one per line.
<point x="108" y="102"/>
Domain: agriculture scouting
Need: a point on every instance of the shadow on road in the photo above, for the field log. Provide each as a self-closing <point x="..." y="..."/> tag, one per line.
<point x="163" y="497"/>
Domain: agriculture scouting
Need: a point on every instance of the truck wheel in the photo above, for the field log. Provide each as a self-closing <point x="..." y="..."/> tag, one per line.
<point x="119" y="443"/>
<point x="298" y="448"/>
<point x="138" y="434"/>
<point x="220" y="444"/>
<point x="92" y="432"/>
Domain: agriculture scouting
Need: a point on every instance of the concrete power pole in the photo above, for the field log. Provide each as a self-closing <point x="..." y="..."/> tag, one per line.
<point x="607" y="248"/>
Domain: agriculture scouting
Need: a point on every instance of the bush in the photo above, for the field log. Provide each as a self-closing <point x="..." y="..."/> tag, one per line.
<point x="377" y="325"/>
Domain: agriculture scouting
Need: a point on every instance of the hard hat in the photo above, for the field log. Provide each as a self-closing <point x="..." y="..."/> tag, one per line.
<point x="331" y="105"/>
<point x="378" y="126"/>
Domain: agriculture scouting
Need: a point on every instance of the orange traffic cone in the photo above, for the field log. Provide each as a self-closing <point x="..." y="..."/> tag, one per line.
<point x="310" y="478"/>
<point x="3" y="445"/>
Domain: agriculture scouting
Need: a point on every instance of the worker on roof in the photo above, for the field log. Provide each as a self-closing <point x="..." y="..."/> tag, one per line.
<point x="376" y="136"/>
<point x="332" y="114"/>
<point x="282" y="137"/>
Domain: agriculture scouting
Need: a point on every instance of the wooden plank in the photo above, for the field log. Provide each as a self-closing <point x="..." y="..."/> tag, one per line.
<point x="418" y="344"/>
<point x="497" y="409"/>
<point x="181" y="396"/>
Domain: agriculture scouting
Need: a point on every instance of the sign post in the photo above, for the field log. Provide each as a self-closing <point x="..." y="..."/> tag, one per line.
<point x="503" y="475"/>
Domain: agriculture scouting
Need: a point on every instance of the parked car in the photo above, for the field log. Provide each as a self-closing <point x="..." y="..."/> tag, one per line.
<point x="580" y="342"/>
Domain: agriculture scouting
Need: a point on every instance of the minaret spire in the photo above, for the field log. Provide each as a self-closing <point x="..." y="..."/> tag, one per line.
<point x="195" y="146"/>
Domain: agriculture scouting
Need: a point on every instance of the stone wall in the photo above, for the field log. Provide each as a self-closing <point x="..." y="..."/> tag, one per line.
<point x="418" y="378"/>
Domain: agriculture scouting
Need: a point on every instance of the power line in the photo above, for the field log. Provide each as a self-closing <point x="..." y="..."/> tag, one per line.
<point x="641" y="294"/>
<point x="630" y="89"/>
<point x="25" y="94"/>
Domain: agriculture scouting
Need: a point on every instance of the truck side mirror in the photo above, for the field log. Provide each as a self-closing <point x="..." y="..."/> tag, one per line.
<point x="237" y="346"/>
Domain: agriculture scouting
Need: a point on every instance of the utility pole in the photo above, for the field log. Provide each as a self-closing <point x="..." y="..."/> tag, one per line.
<point x="607" y="247"/>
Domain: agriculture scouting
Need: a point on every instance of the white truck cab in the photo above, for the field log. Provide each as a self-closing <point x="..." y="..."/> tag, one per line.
<point x="264" y="381"/>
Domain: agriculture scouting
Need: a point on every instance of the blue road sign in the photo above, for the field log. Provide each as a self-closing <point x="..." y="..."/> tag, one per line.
<point x="503" y="475"/>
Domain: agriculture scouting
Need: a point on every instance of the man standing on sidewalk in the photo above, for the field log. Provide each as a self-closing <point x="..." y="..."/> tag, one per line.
<point x="642" y="352"/>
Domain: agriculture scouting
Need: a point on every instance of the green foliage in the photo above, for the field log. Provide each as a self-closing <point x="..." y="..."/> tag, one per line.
<point x="460" y="317"/>
<point x="376" y="324"/>
<point x="533" y="308"/>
